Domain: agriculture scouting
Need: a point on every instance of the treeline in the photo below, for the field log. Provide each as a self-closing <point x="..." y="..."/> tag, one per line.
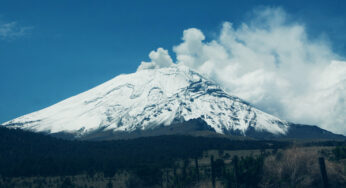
<point x="30" y="154"/>
<point x="219" y="172"/>
<point x="160" y="161"/>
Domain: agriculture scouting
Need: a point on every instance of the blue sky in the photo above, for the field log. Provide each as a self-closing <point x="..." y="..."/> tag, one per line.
<point x="51" y="50"/>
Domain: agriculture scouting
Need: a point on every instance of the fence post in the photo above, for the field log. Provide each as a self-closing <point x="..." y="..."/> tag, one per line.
<point x="323" y="172"/>
<point x="197" y="169"/>
<point x="212" y="170"/>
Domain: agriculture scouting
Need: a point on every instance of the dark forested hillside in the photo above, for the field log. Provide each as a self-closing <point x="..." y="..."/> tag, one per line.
<point x="151" y="159"/>
<point x="28" y="154"/>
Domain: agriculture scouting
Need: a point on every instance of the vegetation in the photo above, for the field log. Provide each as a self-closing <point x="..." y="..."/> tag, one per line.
<point x="29" y="154"/>
<point x="34" y="160"/>
<point x="340" y="152"/>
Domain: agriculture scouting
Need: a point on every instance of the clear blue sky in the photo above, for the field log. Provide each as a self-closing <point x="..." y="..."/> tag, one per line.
<point x="51" y="50"/>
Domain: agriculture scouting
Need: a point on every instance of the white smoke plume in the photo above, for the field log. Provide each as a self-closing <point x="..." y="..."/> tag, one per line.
<point x="159" y="59"/>
<point x="272" y="63"/>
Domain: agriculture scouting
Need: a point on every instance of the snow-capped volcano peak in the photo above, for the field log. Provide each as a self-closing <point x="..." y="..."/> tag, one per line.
<point x="147" y="99"/>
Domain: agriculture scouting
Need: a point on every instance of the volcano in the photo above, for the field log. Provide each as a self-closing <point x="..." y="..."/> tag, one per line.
<point x="155" y="99"/>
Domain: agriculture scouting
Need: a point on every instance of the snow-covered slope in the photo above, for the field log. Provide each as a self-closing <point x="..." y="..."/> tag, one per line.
<point x="147" y="99"/>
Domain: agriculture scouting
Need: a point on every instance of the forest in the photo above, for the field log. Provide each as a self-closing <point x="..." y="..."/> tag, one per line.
<point x="35" y="160"/>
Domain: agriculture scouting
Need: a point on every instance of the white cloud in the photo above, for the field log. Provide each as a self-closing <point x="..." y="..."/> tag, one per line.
<point x="12" y="30"/>
<point x="159" y="59"/>
<point x="273" y="64"/>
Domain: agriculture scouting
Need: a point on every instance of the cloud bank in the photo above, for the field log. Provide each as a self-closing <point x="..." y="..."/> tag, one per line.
<point x="272" y="63"/>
